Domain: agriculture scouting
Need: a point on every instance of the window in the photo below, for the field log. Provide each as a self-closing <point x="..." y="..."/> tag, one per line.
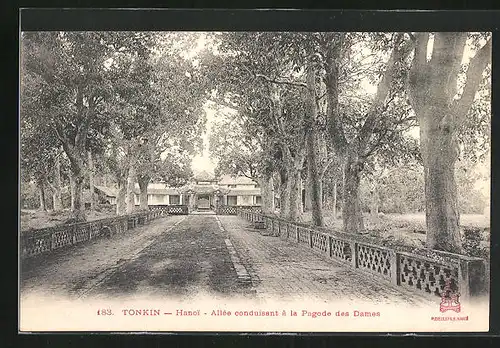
<point x="174" y="199"/>
<point x="231" y="200"/>
<point x="258" y="200"/>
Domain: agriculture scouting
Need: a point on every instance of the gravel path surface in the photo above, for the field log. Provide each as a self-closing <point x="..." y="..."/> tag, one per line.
<point x="179" y="256"/>
<point x="283" y="269"/>
<point x="186" y="256"/>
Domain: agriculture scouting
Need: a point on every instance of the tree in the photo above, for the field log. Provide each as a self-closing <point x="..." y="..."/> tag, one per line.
<point x="239" y="147"/>
<point x="271" y="66"/>
<point x="175" y="123"/>
<point x="359" y="130"/>
<point x="77" y="82"/>
<point x="38" y="144"/>
<point x="441" y="109"/>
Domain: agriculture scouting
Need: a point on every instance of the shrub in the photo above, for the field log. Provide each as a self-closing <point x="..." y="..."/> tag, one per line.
<point x="471" y="242"/>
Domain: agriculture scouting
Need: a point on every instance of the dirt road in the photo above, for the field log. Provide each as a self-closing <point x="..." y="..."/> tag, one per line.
<point x="175" y="256"/>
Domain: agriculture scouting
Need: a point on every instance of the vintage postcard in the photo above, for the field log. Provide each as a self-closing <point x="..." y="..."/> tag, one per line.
<point x="254" y="181"/>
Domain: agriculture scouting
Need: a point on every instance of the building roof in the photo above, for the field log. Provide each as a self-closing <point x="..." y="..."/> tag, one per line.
<point x="236" y="180"/>
<point x="244" y="192"/>
<point x="108" y="191"/>
<point x="113" y="192"/>
<point x="200" y="189"/>
<point x="165" y="191"/>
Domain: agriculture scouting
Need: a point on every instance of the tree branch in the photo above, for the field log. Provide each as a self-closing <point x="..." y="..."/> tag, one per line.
<point x="281" y="82"/>
<point x="417" y="76"/>
<point x="381" y="101"/>
<point x="474" y="77"/>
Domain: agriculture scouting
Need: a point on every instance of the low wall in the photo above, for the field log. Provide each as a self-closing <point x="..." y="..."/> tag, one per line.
<point x="421" y="270"/>
<point x="171" y="209"/>
<point x="39" y="241"/>
<point x="232" y="209"/>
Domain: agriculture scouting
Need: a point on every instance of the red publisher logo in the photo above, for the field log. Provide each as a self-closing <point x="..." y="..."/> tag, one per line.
<point x="449" y="299"/>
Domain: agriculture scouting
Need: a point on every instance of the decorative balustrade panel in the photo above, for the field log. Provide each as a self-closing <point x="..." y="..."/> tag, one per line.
<point x="226" y="210"/>
<point x="340" y="249"/>
<point x="39" y="241"/>
<point x="122" y="225"/>
<point x="427" y="276"/>
<point x="178" y="210"/>
<point x="409" y="270"/>
<point x="252" y="208"/>
<point x="374" y="259"/>
<point x="303" y="235"/>
<point x="36" y="244"/>
<point x="285" y="230"/>
<point x="95" y="229"/>
<point x="81" y="233"/>
<point x="319" y="241"/>
<point x="61" y="236"/>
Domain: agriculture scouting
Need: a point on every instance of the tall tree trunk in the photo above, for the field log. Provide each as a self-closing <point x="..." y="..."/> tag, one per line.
<point x="91" y="181"/>
<point x="267" y="194"/>
<point x="341" y="205"/>
<point x="374" y="199"/>
<point x="56" y="195"/>
<point x="300" y="188"/>
<point x="309" y="189"/>
<point x="143" y="182"/>
<point x="352" y="214"/>
<point x="75" y="150"/>
<point x="334" y="198"/>
<point x="41" y="195"/>
<point x="285" y="189"/>
<point x="439" y="150"/>
<point x="72" y="190"/>
<point x="315" y="186"/>
<point x="295" y="198"/>
<point x="313" y="174"/>
<point x="432" y="90"/>
<point x="77" y="177"/>
<point x="121" y="204"/>
<point x="130" y="190"/>
<point x="78" y="211"/>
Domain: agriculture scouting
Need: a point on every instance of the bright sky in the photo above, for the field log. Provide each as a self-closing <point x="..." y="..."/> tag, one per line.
<point x="203" y="162"/>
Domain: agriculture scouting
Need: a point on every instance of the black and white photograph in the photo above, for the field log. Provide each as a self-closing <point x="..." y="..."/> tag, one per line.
<point x="254" y="181"/>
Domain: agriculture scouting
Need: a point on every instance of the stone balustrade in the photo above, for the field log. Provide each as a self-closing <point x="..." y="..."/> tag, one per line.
<point x="422" y="270"/>
<point x="39" y="241"/>
<point x="166" y="209"/>
<point x="232" y="209"/>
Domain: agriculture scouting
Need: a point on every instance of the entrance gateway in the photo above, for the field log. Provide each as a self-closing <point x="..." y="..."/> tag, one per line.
<point x="203" y="202"/>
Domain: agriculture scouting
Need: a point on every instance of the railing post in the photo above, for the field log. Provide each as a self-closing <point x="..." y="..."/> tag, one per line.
<point x="354" y="254"/>
<point x="52" y="241"/>
<point x="395" y="270"/>
<point x="296" y="233"/>
<point x="329" y="246"/>
<point x="471" y="277"/>
<point x="311" y="238"/>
